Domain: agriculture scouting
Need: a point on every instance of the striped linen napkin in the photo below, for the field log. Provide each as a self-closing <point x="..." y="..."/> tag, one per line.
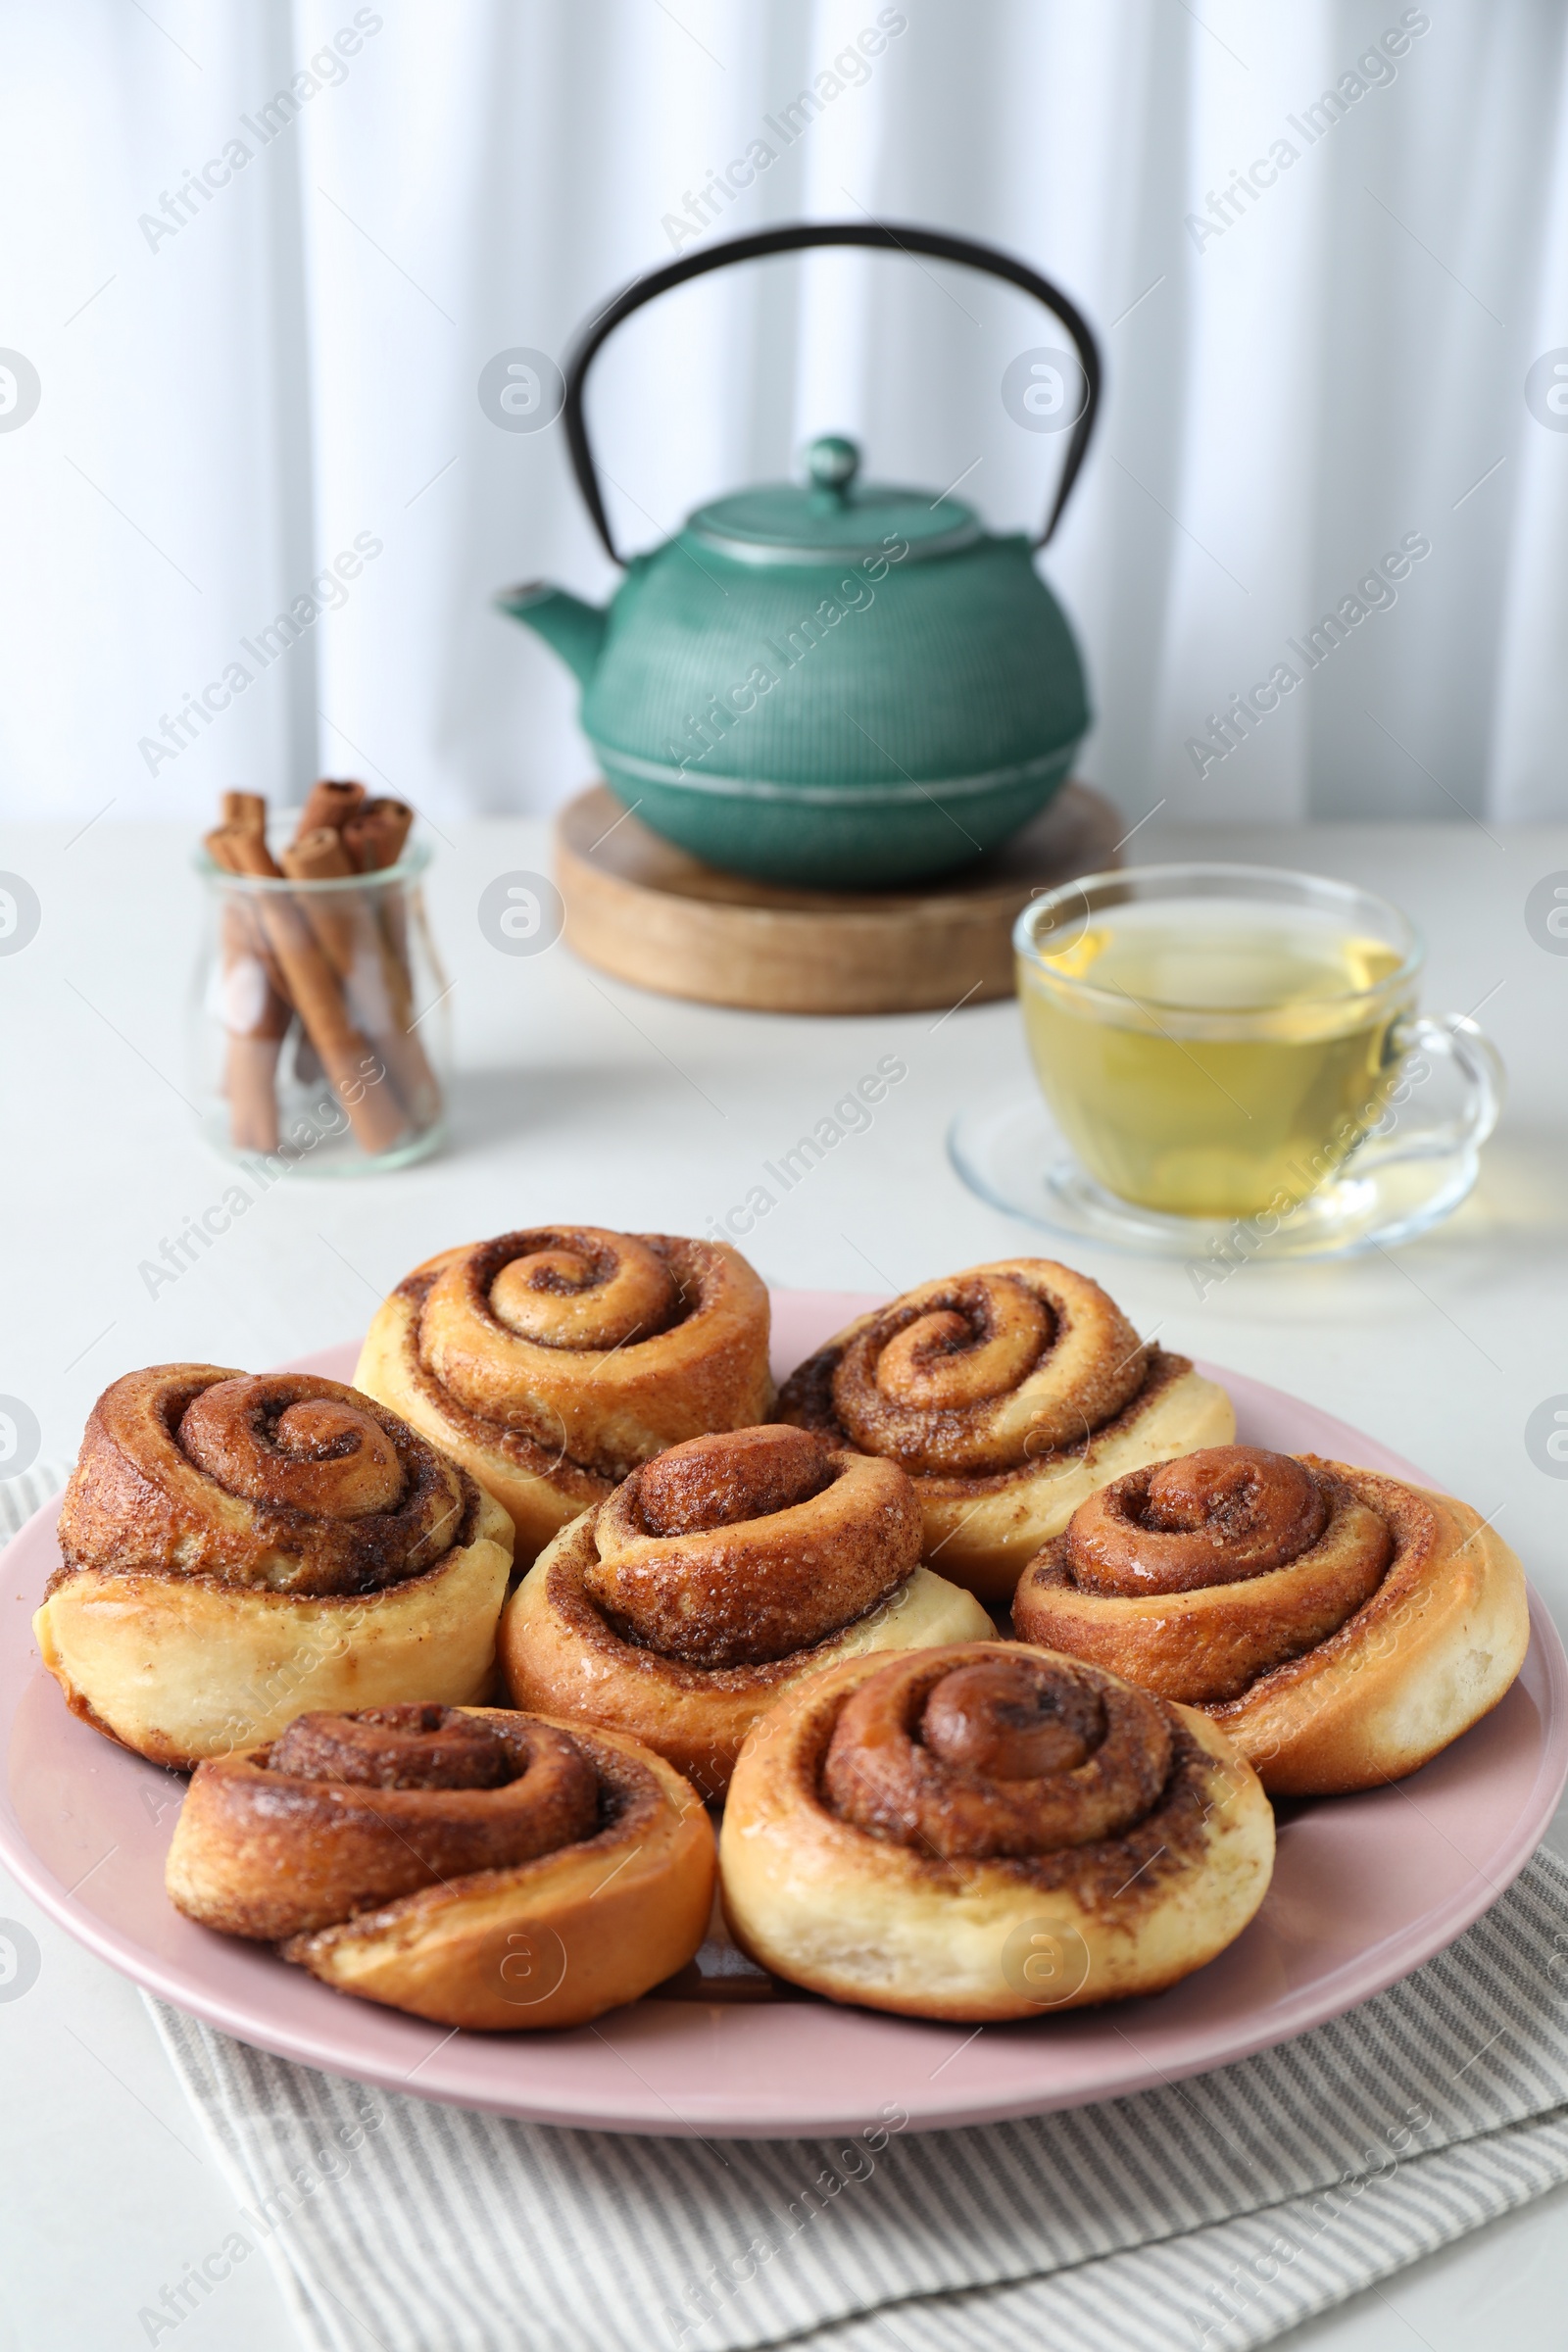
<point x="1213" y="2212"/>
<point x="1216" y="2213"/>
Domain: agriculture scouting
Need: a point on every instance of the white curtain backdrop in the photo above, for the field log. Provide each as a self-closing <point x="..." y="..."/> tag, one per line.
<point x="259" y="321"/>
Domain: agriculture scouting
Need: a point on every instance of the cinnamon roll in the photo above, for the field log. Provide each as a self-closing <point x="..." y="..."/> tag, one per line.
<point x="1008" y="1394"/>
<point x="236" y="1548"/>
<point x="988" y="1831"/>
<point x="713" y="1579"/>
<point x="1340" y="1626"/>
<point x="477" y="1867"/>
<point x="550" y="1363"/>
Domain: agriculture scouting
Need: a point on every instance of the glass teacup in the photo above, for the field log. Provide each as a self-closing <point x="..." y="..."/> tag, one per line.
<point x="1226" y="1043"/>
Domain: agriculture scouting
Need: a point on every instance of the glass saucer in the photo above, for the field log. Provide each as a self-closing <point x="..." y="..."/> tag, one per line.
<point x="1007" y="1149"/>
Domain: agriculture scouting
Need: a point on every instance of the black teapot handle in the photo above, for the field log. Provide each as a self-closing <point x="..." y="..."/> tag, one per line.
<point x="880" y="238"/>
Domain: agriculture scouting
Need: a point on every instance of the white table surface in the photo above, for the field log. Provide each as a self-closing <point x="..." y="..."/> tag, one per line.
<point x="580" y="1099"/>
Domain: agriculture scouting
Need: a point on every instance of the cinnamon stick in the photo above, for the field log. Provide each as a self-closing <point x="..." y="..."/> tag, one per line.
<point x="255" y="1022"/>
<point x="239" y="918"/>
<point x="376" y="838"/>
<point x="356" y="1074"/>
<point x="376" y="833"/>
<point x="256" y="1019"/>
<point x="308" y="1070"/>
<point x="329" y="803"/>
<point x="240" y="851"/>
<point x="353" y="935"/>
<point x="318" y="855"/>
<point x="248" y="810"/>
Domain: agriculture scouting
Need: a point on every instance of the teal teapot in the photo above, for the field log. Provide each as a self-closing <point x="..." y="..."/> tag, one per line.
<point x="839" y="684"/>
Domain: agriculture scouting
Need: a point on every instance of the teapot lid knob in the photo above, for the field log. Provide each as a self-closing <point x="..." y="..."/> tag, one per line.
<point x="832" y="462"/>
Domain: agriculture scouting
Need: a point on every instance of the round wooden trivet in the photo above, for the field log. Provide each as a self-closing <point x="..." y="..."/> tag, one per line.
<point x="640" y="908"/>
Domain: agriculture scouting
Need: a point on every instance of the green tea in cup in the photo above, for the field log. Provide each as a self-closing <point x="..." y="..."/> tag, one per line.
<point x="1215" y="1041"/>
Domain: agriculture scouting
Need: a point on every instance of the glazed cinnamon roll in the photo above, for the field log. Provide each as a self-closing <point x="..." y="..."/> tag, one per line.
<point x="474" y="1866"/>
<point x="236" y="1548"/>
<point x="1008" y="1394"/>
<point x="988" y="1831"/>
<point x="1342" y="1627"/>
<point x="550" y="1363"/>
<point x="713" y="1579"/>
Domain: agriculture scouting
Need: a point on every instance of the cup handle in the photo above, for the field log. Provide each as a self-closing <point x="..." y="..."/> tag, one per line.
<point x="1418" y="1040"/>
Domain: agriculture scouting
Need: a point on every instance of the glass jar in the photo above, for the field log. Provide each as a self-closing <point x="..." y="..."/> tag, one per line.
<point x="319" y="1014"/>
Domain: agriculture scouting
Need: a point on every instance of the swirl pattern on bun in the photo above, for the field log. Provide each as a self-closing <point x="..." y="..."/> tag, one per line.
<point x="1008" y="1394"/>
<point x="711" y="1580"/>
<point x="474" y="1866"/>
<point x="1343" y="1627"/>
<point x="237" y="1546"/>
<point x="988" y="1831"/>
<point x="552" y="1363"/>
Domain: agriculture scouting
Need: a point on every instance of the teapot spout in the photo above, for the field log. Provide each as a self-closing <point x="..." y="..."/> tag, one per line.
<point x="574" y="628"/>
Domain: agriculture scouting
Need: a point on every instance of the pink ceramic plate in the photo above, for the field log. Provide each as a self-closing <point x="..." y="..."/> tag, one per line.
<point x="1366" y="1888"/>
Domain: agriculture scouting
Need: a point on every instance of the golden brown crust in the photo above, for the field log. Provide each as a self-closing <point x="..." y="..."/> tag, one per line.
<point x="567" y="1878"/>
<point x="1108" y="1864"/>
<point x="563" y="1655"/>
<point x="289" y="1836"/>
<point x="282" y="1480"/>
<point x="737" y="1549"/>
<point x="1000" y="1470"/>
<point x="180" y="1668"/>
<point x="237" y="1546"/>
<point x="539" y="1488"/>
<point x="988" y="1752"/>
<point x="551" y="1362"/>
<point x="980" y="1371"/>
<point x="975" y="1372"/>
<point x="1197" y="1575"/>
<point x="1349" y="1659"/>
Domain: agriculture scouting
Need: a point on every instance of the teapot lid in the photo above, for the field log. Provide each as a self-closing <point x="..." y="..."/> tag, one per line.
<point x="830" y="518"/>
